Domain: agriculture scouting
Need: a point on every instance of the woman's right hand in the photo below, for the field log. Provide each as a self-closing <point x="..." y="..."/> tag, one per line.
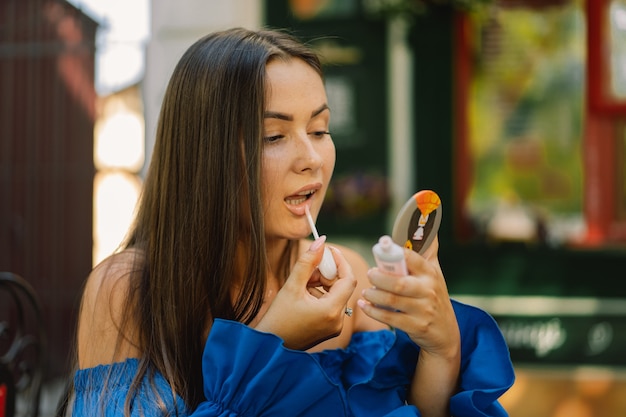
<point x="302" y="315"/>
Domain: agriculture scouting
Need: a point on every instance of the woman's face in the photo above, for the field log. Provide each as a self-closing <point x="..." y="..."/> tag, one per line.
<point x="299" y="154"/>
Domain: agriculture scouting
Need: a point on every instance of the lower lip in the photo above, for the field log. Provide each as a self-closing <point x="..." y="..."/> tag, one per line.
<point x="298" y="209"/>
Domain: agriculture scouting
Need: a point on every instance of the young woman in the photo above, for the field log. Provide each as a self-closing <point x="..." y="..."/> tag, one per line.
<point x="215" y="306"/>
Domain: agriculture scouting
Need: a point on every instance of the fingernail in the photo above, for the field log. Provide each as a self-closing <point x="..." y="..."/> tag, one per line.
<point x="334" y="249"/>
<point x="317" y="243"/>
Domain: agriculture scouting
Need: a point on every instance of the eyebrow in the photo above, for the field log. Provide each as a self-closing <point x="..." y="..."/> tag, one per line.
<point x="288" y="117"/>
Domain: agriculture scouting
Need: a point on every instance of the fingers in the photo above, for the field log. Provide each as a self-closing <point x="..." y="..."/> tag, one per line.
<point x="342" y="269"/>
<point x="409" y="285"/>
<point x="306" y="275"/>
<point x="398" y="293"/>
<point x="315" y="292"/>
<point x="306" y="264"/>
<point x="419" y="305"/>
<point x="341" y="288"/>
<point x="433" y="249"/>
<point x="381" y="313"/>
<point x="426" y="264"/>
<point x="308" y="308"/>
<point x="415" y="294"/>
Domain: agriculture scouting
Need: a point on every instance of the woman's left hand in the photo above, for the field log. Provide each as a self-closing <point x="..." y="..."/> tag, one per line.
<point x="418" y="303"/>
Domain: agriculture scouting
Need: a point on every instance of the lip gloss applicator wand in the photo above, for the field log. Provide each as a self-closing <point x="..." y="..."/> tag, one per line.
<point x="327" y="267"/>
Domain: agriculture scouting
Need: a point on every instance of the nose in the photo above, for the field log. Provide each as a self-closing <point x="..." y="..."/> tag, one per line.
<point x="308" y="157"/>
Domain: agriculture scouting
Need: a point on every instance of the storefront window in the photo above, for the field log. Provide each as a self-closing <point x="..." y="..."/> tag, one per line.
<point x="526" y="107"/>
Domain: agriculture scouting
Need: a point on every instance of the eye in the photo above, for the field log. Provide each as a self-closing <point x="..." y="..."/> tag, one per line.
<point x="320" y="134"/>
<point x="272" y="139"/>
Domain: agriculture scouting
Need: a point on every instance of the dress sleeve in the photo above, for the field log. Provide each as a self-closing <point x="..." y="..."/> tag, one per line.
<point x="250" y="373"/>
<point x="486" y="368"/>
<point x="377" y="369"/>
<point x="102" y="391"/>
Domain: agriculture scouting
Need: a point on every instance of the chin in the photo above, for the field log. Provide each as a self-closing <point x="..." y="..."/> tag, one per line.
<point x="303" y="234"/>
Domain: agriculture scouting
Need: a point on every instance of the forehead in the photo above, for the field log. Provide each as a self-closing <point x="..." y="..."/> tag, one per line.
<point x="293" y="79"/>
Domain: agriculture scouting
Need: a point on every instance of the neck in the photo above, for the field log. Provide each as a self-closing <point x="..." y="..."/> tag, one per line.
<point x="276" y="257"/>
<point x="275" y="251"/>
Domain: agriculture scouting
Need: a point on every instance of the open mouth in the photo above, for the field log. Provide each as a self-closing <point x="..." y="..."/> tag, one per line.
<point x="299" y="198"/>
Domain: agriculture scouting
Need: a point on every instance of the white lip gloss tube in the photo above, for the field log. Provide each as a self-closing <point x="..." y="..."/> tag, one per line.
<point x="327" y="266"/>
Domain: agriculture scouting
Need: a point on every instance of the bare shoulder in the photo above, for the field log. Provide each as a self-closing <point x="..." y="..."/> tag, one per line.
<point x="355" y="258"/>
<point x="105" y="334"/>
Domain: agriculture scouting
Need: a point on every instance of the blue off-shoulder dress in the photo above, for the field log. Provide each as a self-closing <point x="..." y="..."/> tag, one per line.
<point x="249" y="373"/>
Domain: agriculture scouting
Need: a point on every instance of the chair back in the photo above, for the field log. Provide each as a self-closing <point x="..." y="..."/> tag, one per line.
<point x="22" y="347"/>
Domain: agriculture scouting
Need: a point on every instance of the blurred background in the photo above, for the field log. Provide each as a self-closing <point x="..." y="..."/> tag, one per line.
<point x="513" y="111"/>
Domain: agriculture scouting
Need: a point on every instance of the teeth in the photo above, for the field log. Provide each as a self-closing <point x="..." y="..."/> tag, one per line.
<point x="295" y="201"/>
<point x="305" y="195"/>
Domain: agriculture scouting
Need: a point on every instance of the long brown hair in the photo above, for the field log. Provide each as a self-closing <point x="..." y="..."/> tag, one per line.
<point x="201" y="198"/>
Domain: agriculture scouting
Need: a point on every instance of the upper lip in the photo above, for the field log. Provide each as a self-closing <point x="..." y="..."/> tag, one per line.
<point x="306" y="190"/>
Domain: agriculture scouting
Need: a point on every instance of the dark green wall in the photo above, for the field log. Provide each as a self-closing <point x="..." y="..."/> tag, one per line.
<point x="431" y="39"/>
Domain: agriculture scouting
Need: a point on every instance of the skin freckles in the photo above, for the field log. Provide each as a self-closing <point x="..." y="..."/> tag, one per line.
<point x="299" y="154"/>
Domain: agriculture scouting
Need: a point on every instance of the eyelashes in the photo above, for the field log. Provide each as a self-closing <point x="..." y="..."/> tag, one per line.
<point x="321" y="133"/>
<point x="275" y="138"/>
<point x="272" y="139"/>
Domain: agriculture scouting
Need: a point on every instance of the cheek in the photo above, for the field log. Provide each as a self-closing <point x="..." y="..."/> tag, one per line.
<point x="329" y="156"/>
<point x="269" y="178"/>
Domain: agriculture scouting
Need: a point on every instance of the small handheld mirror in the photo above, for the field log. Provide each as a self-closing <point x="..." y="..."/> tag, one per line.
<point x="418" y="221"/>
